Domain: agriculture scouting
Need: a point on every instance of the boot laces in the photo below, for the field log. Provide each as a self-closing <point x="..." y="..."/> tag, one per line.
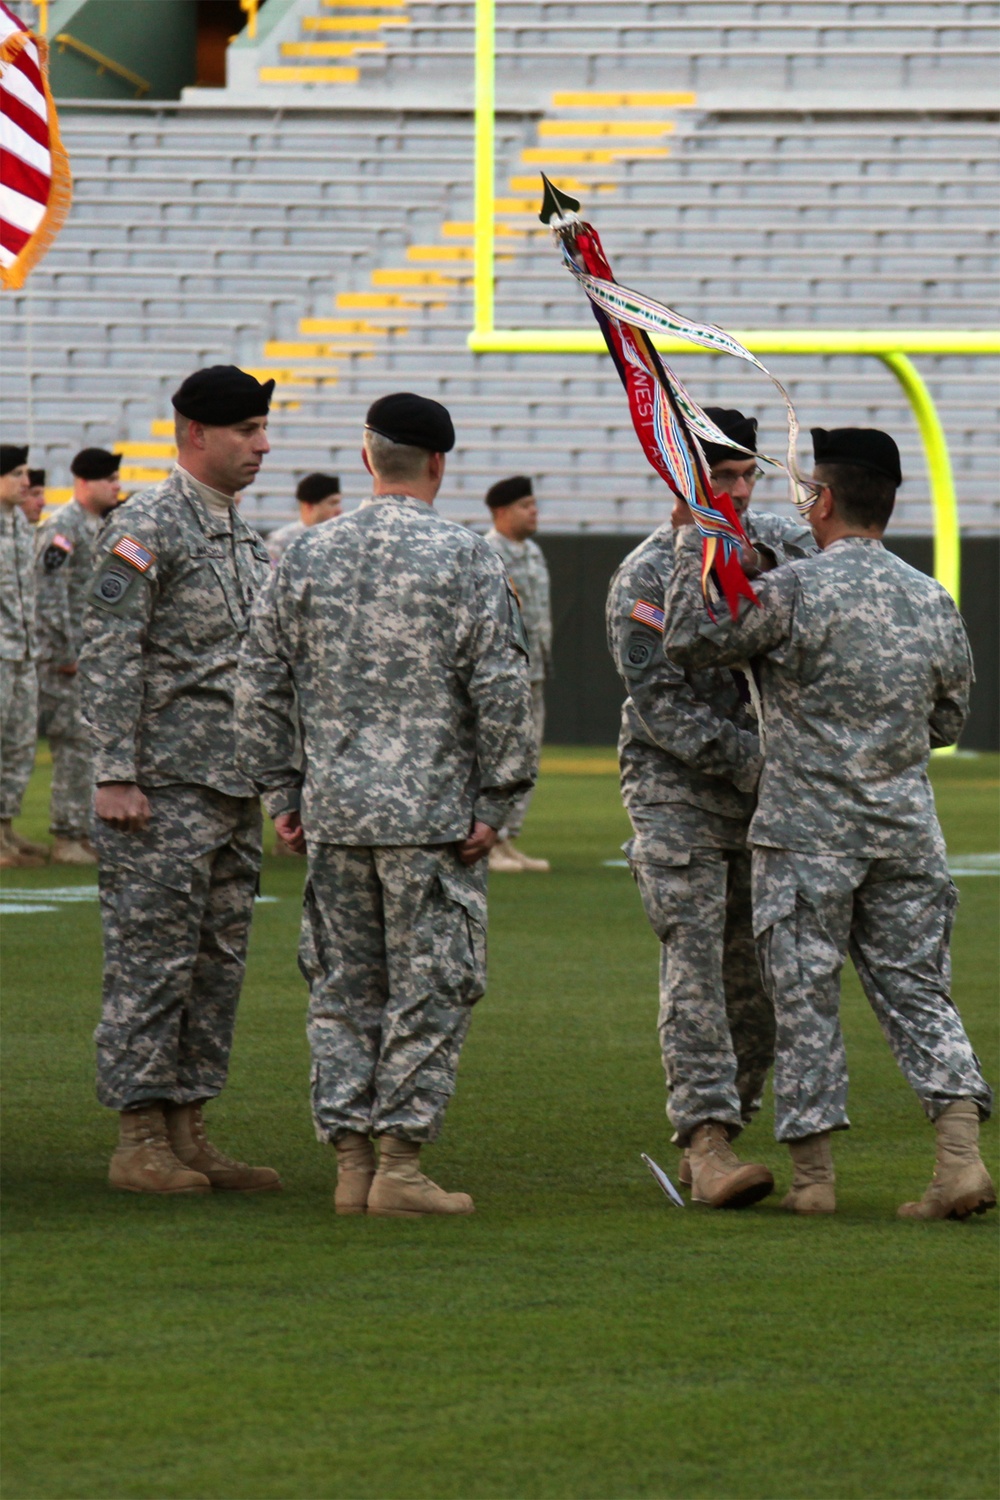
<point x="216" y="1157"/>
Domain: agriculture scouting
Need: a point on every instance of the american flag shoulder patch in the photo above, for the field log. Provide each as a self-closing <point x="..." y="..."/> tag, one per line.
<point x="62" y="542"/>
<point x="133" y="552"/>
<point x="648" y="614"/>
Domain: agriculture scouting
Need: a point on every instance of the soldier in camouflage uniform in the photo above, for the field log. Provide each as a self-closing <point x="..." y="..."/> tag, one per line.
<point x="515" y="521"/>
<point x="395" y="634"/>
<point x="318" y="497"/>
<point x="34" y="499"/>
<point x="864" y="667"/>
<point x="177" y="827"/>
<point x="18" y="677"/>
<point x="690" y="758"/>
<point x="64" y="561"/>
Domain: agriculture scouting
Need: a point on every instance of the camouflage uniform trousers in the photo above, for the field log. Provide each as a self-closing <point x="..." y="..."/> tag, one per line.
<point x="716" y="1022"/>
<point x="393" y="947"/>
<point x="60" y="720"/>
<point x="519" y="811"/>
<point x="894" y="917"/>
<point x="176" y="905"/>
<point x="18" y="730"/>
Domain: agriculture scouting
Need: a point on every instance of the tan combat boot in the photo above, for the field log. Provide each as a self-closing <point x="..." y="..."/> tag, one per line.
<point x="191" y="1146"/>
<point x="143" y="1161"/>
<point x="542" y="866"/>
<point x="961" y="1184"/>
<point x="502" y="859"/>
<point x="355" y="1171"/>
<point x="684" y="1169"/>
<point x="812" y="1184"/>
<point x="718" y="1177"/>
<point x="72" y="852"/>
<point x="401" y="1191"/>
<point x="16" y="852"/>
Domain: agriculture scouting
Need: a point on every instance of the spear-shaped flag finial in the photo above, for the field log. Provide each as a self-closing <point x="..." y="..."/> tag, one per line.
<point x="556" y="204"/>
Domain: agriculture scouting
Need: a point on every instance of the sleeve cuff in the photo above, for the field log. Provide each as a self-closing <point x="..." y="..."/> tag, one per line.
<point x="106" y="769"/>
<point x="493" y="810"/>
<point x="284" y="800"/>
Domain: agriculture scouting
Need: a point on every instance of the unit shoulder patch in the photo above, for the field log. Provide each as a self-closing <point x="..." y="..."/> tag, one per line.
<point x="133" y="552"/>
<point x="638" y="650"/>
<point x="56" y="553"/>
<point x="113" y="587"/>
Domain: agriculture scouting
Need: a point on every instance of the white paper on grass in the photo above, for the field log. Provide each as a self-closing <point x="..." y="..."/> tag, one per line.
<point x="664" y="1181"/>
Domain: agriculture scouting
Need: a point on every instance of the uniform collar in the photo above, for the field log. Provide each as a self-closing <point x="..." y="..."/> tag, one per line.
<point x="855" y="541"/>
<point x="210" y="523"/>
<point x="397" y="500"/>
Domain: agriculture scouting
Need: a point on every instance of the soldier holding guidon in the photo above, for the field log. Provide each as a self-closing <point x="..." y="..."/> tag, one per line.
<point x="391" y="639"/>
<point x="177" y="826"/>
<point x="64" y="561"/>
<point x="864" y="667"/>
<point x="690" y="759"/>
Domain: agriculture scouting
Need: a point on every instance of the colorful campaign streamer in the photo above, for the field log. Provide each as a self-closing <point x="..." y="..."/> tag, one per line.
<point x="669" y="424"/>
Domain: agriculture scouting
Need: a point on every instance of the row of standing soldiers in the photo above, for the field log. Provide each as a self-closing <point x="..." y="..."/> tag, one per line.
<point x="375" y="689"/>
<point x="41" y="625"/>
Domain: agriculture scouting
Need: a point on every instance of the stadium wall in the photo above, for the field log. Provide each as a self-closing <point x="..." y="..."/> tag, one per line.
<point x="584" y="698"/>
<point x="155" y="39"/>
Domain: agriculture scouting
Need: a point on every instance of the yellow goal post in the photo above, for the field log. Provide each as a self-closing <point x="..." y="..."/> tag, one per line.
<point x="892" y="346"/>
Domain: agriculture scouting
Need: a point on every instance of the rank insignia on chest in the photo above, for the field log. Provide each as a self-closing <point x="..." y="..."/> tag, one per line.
<point x="648" y="614"/>
<point x="56" y="553"/>
<point x="133" y="552"/>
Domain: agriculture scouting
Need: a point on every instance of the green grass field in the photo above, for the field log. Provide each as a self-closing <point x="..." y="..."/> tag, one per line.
<point x="577" y="1337"/>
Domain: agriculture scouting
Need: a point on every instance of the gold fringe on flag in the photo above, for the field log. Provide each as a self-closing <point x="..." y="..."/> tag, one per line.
<point x="13" y="277"/>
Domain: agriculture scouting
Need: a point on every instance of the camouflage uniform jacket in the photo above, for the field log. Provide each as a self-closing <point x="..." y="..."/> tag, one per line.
<point x="64" y="561"/>
<point x="17" y="586"/>
<point x="528" y="572"/>
<point x="687" y="734"/>
<point x="277" y="541"/>
<point x="396" y="633"/>
<point x="166" y="609"/>
<point x="865" y="665"/>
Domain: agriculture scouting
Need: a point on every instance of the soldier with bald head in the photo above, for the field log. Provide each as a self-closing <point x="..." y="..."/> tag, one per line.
<point x="64" y="561"/>
<point x="177" y="826"/>
<point x="864" y="667"/>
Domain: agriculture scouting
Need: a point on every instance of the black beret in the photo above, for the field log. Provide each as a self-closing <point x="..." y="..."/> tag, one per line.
<point x="317" y="487"/>
<point x="36" y="477"/>
<point x="865" y="447"/>
<point x="12" y="457"/>
<point x="222" y="395"/>
<point x="734" y="424"/>
<point x="414" y="420"/>
<point x="95" y="463"/>
<point x="506" y="491"/>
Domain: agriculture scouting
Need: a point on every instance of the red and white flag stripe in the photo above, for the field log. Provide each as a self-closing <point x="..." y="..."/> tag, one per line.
<point x="35" y="182"/>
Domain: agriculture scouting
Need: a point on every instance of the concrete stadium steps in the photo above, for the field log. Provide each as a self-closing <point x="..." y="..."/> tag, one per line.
<point x="374" y="52"/>
<point x="335" y="253"/>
